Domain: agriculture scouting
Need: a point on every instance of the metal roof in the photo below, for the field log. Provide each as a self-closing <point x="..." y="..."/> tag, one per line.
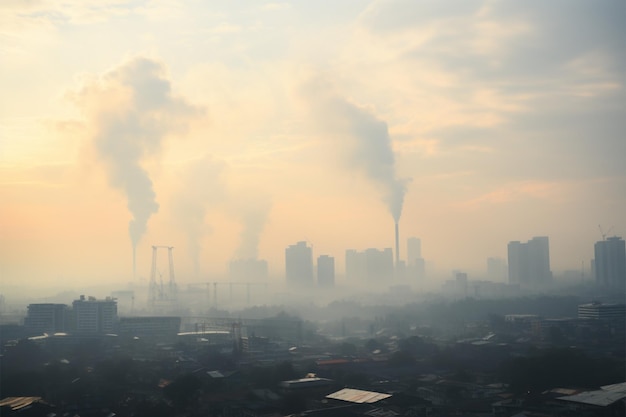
<point x="608" y="395"/>
<point x="358" y="396"/>
<point x="17" y="403"/>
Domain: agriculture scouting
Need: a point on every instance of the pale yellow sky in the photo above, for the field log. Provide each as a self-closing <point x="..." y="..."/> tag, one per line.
<point x="276" y="121"/>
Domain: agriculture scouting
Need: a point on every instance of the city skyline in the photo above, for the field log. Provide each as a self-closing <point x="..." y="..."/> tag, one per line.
<point x="231" y="131"/>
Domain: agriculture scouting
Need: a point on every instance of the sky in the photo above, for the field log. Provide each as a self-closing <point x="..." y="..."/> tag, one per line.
<point x="234" y="129"/>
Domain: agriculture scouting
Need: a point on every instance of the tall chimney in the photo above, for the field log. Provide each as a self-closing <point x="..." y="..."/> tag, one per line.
<point x="397" y="245"/>
<point x="134" y="264"/>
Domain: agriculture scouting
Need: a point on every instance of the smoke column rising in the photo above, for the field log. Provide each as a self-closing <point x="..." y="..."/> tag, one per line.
<point x="202" y="187"/>
<point x="253" y="214"/>
<point x="130" y="110"/>
<point x="369" y="148"/>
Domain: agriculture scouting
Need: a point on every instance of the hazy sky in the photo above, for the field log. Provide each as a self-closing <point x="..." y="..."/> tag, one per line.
<point x="233" y="129"/>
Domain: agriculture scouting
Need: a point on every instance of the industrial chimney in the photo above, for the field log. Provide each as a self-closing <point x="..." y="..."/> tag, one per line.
<point x="397" y="245"/>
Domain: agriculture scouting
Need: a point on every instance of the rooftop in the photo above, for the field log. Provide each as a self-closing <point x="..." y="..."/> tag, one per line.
<point x="358" y="396"/>
<point x="603" y="397"/>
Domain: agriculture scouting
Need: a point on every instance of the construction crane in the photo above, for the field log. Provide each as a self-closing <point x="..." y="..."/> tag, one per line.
<point x="156" y="290"/>
<point x="603" y="233"/>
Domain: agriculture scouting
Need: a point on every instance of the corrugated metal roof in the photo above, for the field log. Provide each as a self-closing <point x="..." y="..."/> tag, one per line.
<point x="358" y="396"/>
<point x="16" y="403"/>
<point x="608" y="395"/>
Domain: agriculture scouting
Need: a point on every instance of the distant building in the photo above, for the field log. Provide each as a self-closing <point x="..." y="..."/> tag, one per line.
<point x="326" y="271"/>
<point x="355" y="265"/>
<point x="610" y="263"/>
<point x="46" y="318"/>
<point x="372" y="265"/>
<point x="162" y="328"/>
<point x="94" y="316"/>
<point x="299" y="265"/>
<point x="415" y="264"/>
<point x="599" y="311"/>
<point x="413" y="250"/>
<point x="248" y="270"/>
<point x="457" y="288"/>
<point x="529" y="263"/>
<point x="496" y="269"/>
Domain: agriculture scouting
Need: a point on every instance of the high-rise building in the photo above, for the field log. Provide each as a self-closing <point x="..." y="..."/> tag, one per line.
<point x="496" y="269"/>
<point x="46" y="318"/>
<point x="415" y="264"/>
<point x="529" y="263"/>
<point x="610" y="262"/>
<point x="299" y="265"/>
<point x="371" y="265"/>
<point x="413" y="251"/>
<point x="355" y="265"/>
<point x="94" y="316"/>
<point x="326" y="271"/>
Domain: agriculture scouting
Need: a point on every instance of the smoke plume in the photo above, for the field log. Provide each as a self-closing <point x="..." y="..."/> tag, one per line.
<point x="368" y="147"/>
<point x="201" y="188"/>
<point x="131" y="109"/>
<point x="253" y="209"/>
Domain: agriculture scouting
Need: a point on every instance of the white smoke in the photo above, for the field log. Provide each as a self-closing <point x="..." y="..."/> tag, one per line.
<point x="130" y="110"/>
<point x="201" y="188"/>
<point x="365" y="141"/>
<point x="252" y="207"/>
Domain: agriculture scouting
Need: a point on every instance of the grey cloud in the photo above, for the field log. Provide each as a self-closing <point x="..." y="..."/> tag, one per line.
<point x="385" y="16"/>
<point x="556" y="132"/>
<point x="559" y="32"/>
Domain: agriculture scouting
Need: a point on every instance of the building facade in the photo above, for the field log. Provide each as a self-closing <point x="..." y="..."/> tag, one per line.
<point x="370" y="265"/>
<point x="46" y="318"/>
<point x="415" y="264"/>
<point x="610" y="263"/>
<point x="94" y="316"/>
<point x="326" y="271"/>
<point x="599" y="311"/>
<point x="162" y="328"/>
<point x="299" y="265"/>
<point x="529" y="262"/>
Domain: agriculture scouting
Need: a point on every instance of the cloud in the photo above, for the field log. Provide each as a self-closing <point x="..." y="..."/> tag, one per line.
<point x="511" y="192"/>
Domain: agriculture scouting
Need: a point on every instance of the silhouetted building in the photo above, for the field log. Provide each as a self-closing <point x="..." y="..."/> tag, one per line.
<point x="496" y="269"/>
<point x="457" y="288"/>
<point x="248" y="270"/>
<point x="371" y="265"/>
<point x="94" y="316"/>
<point x="299" y="264"/>
<point x="161" y="328"/>
<point x="46" y="318"/>
<point x="415" y="264"/>
<point x="355" y="265"/>
<point x="326" y="271"/>
<point x="413" y="250"/>
<point x="610" y="262"/>
<point x="529" y="263"/>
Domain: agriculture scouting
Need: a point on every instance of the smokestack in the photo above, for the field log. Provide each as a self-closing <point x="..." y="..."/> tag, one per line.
<point x="134" y="264"/>
<point x="397" y="245"/>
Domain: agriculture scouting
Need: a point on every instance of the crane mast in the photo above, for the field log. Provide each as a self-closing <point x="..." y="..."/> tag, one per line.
<point x="156" y="292"/>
